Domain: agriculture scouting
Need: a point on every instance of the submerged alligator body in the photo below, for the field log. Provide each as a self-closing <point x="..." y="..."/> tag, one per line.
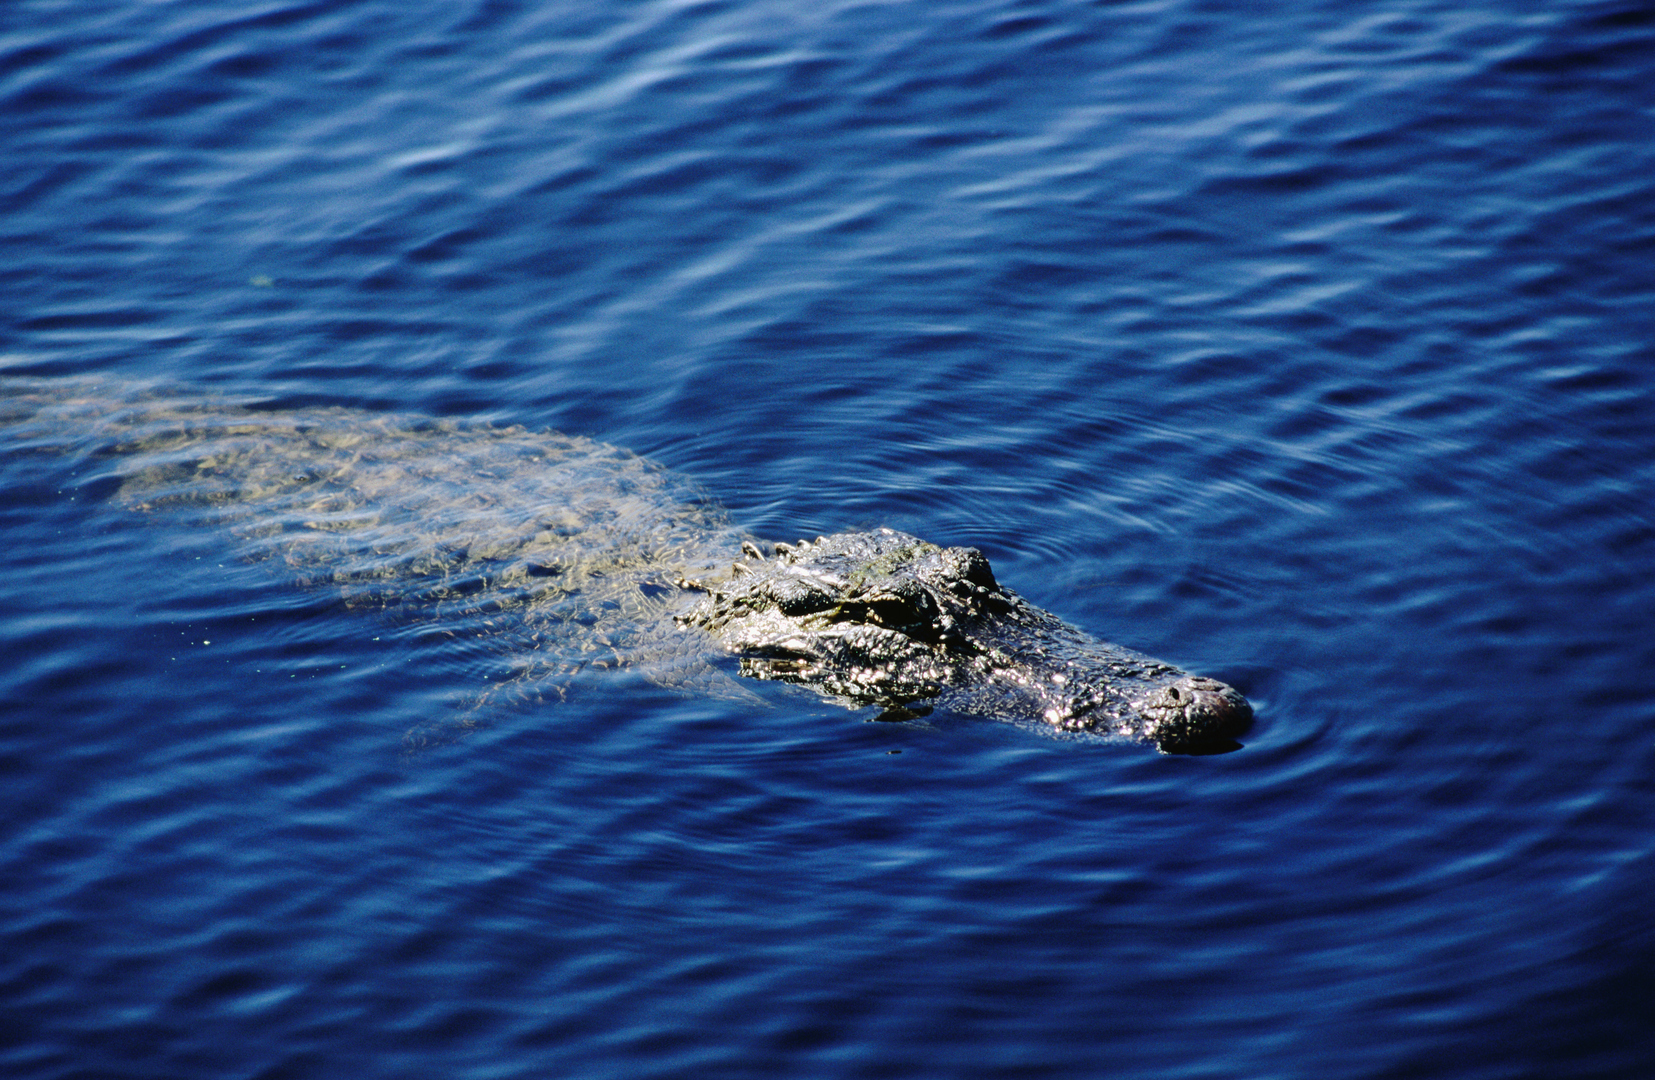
<point x="568" y="553"/>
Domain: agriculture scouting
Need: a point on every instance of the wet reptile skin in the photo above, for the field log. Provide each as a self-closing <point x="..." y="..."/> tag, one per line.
<point x="564" y="553"/>
<point x="883" y="618"/>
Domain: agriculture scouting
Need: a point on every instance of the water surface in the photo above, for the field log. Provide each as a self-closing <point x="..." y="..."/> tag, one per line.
<point x="1302" y="345"/>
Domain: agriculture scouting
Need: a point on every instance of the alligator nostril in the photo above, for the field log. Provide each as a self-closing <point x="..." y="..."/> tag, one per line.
<point x="1175" y="694"/>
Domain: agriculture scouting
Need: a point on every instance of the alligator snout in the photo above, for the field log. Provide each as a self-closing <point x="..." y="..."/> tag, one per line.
<point x="1196" y="712"/>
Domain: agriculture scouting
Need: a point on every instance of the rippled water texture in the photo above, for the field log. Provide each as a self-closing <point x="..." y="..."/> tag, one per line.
<point x="1302" y="345"/>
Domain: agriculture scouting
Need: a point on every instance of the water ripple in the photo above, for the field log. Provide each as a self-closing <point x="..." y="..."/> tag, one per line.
<point x="1302" y="345"/>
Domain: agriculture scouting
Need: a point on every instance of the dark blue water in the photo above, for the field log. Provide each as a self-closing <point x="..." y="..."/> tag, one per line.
<point x="1303" y="345"/>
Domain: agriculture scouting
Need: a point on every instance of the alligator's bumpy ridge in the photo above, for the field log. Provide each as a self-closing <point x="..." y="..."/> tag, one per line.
<point x="883" y="618"/>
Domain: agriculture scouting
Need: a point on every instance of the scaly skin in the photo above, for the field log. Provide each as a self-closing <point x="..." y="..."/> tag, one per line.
<point x="567" y="553"/>
<point x="882" y="618"/>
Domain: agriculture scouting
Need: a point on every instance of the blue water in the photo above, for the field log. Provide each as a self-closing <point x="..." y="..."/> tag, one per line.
<point x="1304" y="345"/>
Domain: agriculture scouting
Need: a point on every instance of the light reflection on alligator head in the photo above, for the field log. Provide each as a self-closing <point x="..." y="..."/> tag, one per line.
<point x="882" y="618"/>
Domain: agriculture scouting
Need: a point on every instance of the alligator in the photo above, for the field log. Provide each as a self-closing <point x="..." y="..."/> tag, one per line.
<point x="568" y="553"/>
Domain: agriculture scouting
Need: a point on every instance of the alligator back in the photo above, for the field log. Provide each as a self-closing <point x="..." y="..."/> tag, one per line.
<point x="565" y="551"/>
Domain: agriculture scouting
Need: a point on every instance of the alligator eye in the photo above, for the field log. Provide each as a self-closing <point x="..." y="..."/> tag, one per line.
<point x="805" y="600"/>
<point x="977" y="571"/>
<point x="894" y="612"/>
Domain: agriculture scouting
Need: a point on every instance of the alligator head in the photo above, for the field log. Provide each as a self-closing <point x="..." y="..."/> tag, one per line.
<point x="882" y="618"/>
